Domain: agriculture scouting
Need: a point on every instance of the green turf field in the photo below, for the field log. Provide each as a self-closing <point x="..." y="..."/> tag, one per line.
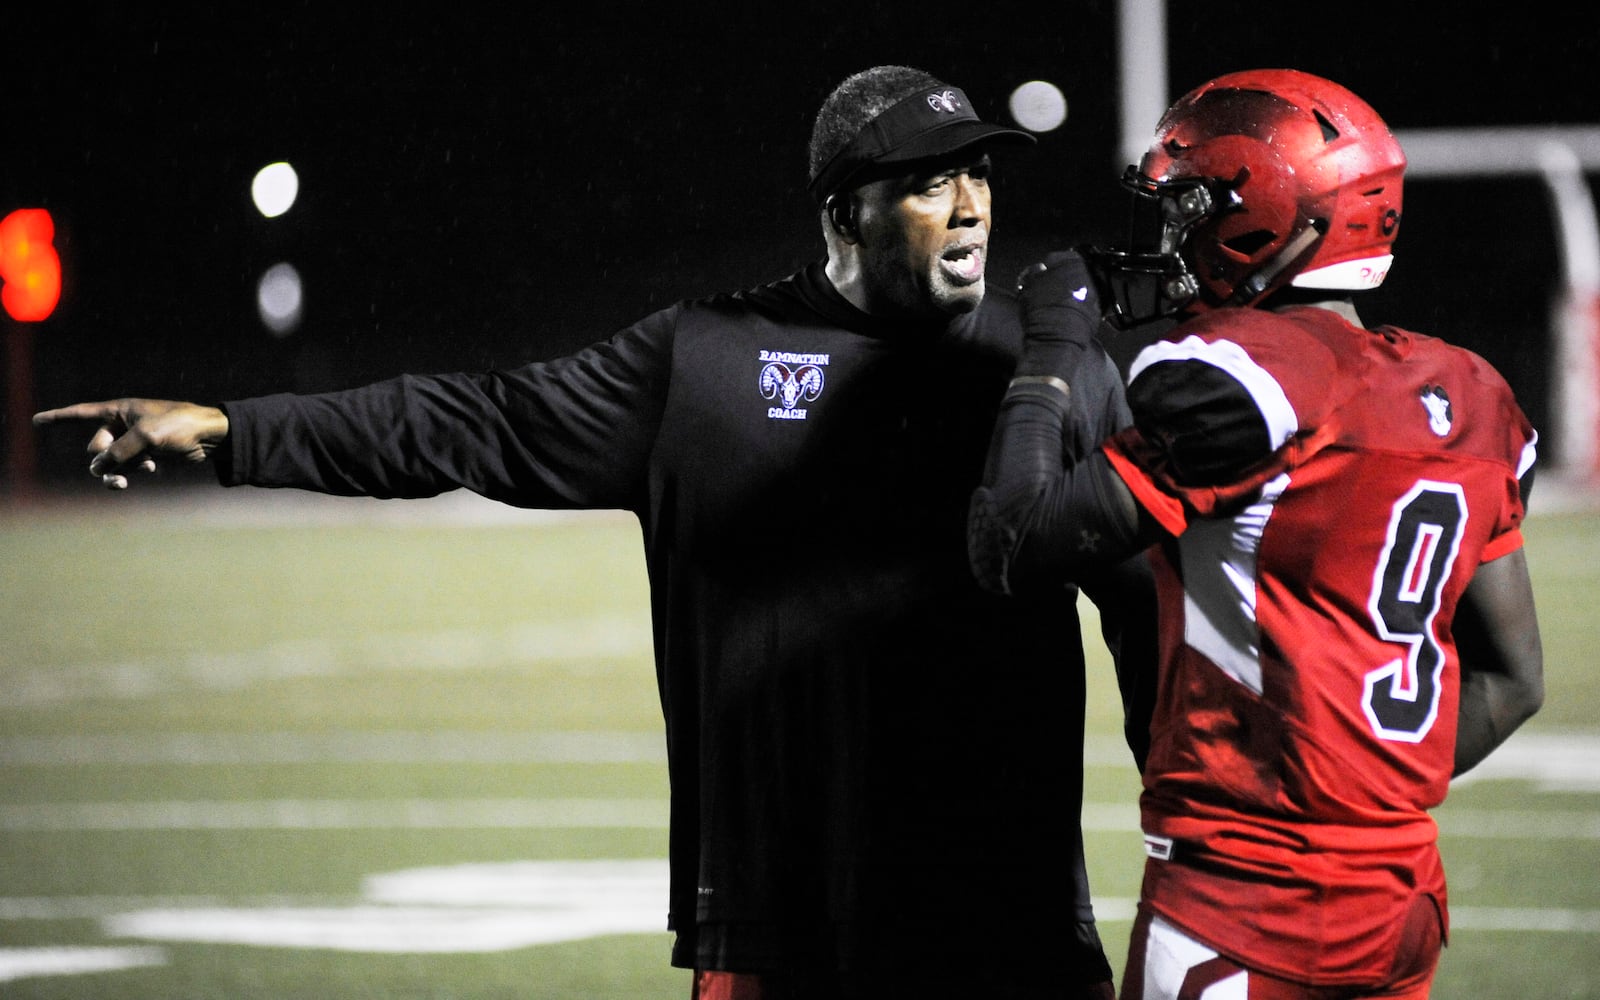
<point x="322" y="755"/>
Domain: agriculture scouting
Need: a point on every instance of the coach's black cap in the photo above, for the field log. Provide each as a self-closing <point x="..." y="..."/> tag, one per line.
<point x="934" y="122"/>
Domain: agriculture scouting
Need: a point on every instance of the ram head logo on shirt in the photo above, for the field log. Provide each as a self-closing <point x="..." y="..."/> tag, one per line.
<point x="790" y="387"/>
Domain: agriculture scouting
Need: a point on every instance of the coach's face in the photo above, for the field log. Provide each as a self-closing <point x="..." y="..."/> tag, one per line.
<point x="923" y="239"/>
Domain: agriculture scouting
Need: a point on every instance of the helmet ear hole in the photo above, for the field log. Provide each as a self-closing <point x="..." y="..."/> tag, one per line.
<point x="1329" y="133"/>
<point x="1249" y="244"/>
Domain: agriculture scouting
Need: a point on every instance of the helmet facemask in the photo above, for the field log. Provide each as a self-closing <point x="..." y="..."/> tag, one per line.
<point x="1152" y="279"/>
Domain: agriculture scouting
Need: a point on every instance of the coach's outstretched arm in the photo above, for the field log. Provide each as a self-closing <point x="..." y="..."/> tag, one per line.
<point x="133" y="433"/>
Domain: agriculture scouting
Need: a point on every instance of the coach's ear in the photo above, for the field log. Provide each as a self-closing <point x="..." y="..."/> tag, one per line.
<point x="841" y="209"/>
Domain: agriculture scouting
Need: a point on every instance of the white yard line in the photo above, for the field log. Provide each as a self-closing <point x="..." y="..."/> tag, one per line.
<point x="1535" y="919"/>
<point x="96" y="907"/>
<point x="1505" y="824"/>
<point x="22" y="963"/>
<point x="337" y="814"/>
<point x="1554" y="760"/>
<point x="580" y="645"/>
<point x="210" y="505"/>
<point x="391" y="747"/>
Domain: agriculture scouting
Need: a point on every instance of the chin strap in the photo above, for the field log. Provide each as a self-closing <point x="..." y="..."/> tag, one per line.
<point x="1251" y="288"/>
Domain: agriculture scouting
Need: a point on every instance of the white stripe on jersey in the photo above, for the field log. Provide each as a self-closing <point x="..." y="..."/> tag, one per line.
<point x="1218" y="557"/>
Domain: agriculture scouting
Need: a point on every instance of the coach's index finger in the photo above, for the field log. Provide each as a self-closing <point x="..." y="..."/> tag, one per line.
<point x="77" y="411"/>
<point x="104" y="446"/>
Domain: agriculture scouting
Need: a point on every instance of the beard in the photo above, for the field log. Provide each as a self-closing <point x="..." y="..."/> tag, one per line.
<point x="901" y="290"/>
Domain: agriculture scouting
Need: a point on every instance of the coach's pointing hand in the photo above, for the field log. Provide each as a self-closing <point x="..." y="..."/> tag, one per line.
<point x="133" y="433"/>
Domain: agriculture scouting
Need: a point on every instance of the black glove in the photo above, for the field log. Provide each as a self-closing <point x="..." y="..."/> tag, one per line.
<point x="1060" y="313"/>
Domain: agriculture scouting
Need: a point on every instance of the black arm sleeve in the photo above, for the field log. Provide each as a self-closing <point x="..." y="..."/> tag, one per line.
<point x="571" y="433"/>
<point x="1047" y="512"/>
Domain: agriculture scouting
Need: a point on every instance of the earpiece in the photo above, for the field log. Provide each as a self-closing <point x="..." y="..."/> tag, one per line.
<point x="842" y="215"/>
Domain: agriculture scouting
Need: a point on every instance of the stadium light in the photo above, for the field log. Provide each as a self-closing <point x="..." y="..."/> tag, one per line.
<point x="279" y="291"/>
<point x="280" y="298"/>
<point x="274" y="189"/>
<point x="31" y="272"/>
<point x="1038" y="106"/>
<point x="29" y="266"/>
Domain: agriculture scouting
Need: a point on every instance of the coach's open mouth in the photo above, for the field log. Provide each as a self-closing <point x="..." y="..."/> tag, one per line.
<point x="964" y="263"/>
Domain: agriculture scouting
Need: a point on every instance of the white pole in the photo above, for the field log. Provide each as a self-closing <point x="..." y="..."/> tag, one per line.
<point x="1575" y="381"/>
<point x="1142" y="49"/>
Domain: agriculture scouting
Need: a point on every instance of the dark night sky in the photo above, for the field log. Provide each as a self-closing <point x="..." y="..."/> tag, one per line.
<point x="480" y="191"/>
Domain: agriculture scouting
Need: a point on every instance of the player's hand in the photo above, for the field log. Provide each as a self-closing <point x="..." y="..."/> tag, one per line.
<point x="1059" y="301"/>
<point x="134" y="433"/>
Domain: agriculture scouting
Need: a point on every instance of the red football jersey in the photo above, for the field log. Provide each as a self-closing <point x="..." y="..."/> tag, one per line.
<point x="1330" y="491"/>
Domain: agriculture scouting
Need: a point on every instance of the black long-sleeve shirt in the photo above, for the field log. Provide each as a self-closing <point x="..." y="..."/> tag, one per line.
<point x="874" y="763"/>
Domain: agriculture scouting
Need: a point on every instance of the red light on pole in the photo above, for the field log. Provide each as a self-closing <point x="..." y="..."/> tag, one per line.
<point x="30" y="287"/>
<point x="29" y="266"/>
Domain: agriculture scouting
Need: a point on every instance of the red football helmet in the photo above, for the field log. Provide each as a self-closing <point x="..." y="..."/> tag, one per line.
<point x="1259" y="179"/>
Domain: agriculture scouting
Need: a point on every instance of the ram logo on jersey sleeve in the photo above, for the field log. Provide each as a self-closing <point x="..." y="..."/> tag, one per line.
<point x="1437" y="402"/>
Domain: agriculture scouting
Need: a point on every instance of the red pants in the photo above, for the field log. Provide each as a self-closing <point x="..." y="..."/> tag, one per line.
<point x="1164" y="963"/>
